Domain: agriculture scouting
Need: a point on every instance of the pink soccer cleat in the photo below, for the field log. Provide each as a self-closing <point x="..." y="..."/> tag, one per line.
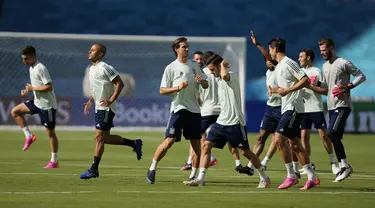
<point x="309" y="184"/>
<point x="52" y="165"/>
<point x="28" y="142"/>
<point x="289" y="182"/>
<point x="213" y="162"/>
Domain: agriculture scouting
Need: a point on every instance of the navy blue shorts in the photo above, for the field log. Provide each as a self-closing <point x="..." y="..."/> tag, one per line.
<point x="104" y="120"/>
<point x="289" y="124"/>
<point x="271" y="119"/>
<point x="316" y="118"/>
<point x="337" y="121"/>
<point x="184" y="120"/>
<point x="47" y="117"/>
<point x="235" y="135"/>
<point x="207" y="121"/>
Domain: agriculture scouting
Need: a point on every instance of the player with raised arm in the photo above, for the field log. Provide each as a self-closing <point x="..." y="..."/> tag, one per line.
<point x="336" y="78"/>
<point x="273" y="111"/>
<point x="44" y="104"/>
<point x="181" y="80"/>
<point x="290" y="79"/>
<point x="105" y="85"/>
<point x="313" y="114"/>
<point x="230" y="125"/>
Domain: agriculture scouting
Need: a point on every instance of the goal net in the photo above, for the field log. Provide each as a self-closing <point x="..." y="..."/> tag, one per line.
<point x="140" y="60"/>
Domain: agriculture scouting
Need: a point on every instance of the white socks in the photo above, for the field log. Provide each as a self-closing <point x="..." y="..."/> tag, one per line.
<point x="290" y="171"/>
<point x="262" y="174"/>
<point x="27" y="132"/>
<point x="153" y="164"/>
<point x="295" y="166"/>
<point x="332" y="158"/>
<point x="202" y="174"/>
<point x="189" y="161"/>
<point x="193" y="173"/>
<point x="238" y="162"/>
<point x="344" y="163"/>
<point x="309" y="171"/>
<point x="54" y="157"/>
<point x="265" y="161"/>
<point x="250" y="165"/>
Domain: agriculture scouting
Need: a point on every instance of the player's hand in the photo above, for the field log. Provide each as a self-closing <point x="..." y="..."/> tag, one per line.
<point x="182" y="85"/>
<point x="338" y="90"/>
<point x="29" y="87"/>
<point x="24" y="92"/>
<point x="269" y="91"/>
<point x="105" y="103"/>
<point x="283" y="91"/>
<point x="225" y="64"/>
<point x="87" y="108"/>
<point x="253" y="38"/>
<point x="198" y="78"/>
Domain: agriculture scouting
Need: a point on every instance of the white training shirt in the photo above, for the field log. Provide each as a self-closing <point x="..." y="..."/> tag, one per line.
<point x="209" y="97"/>
<point x="230" y="102"/>
<point x="39" y="76"/>
<point x="313" y="101"/>
<point x="271" y="80"/>
<point x="101" y="86"/>
<point x="288" y="74"/>
<point x="338" y="73"/>
<point x="176" y="73"/>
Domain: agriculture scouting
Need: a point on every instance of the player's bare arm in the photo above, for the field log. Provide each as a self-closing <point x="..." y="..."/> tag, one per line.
<point x="303" y="82"/>
<point x="262" y="49"/>
<point x="88" y="106"/>
<point x="359" y="78"/>
<point x="117" y="81"/>
<point x="201" y="81"/>
<point x="170" y="90"/>
<point x="320" y="90"/>
<point x="224" y="74"/>
<point x="43" y="88"/>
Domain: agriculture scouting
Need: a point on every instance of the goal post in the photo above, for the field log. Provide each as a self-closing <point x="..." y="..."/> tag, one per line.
<point x="140" y="60"/>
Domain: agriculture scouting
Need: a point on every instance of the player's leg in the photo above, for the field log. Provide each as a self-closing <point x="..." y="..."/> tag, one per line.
<point x="320" y="124"/>
<point x="191" y="124"/>
<point x="172" y="135"/>
<point x="216" y="139"/>
<point x="18" y="113"/>
<point x="261" y="140"/>
<point x="236" y="155"/>
<point x="114" y="139"/>
<point x="237" y="137"/>
<point x="306" y="125"/>
<point x="336" y="129"/>
<point x="48" y="119"/>
<point x="270" y="152"/>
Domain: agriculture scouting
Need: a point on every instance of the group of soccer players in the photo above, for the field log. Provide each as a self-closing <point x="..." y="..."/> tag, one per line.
<point x="206" y="110"/>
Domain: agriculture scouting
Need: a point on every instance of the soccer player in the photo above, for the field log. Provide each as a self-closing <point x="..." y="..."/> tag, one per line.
<point x="336" y="78"/>
<point x="210" y="110"/>
<point x="273" y="111"/>
<point x="198" y="57"/>
<point x="181" y="80"/>
<point x="106" y="85"/>
<point x="230" y="125"/>
<point x="44" y="104"/>
<point x="290" y="80"/>
<point x="313" y="113"/>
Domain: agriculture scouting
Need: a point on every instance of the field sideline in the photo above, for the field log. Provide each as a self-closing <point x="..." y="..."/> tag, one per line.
<point x="24" y="182"/>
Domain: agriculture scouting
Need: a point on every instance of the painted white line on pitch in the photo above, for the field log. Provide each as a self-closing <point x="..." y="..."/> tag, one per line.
<point x="184" y="192"/>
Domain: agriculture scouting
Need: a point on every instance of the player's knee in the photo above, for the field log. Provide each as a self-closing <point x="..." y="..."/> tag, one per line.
<point x="99" y="139"/>
<point x="206" y="147"/>
<point x="14" y="112"/>
<point x="261" y="139"/>
<point x="168" y="142"/>
<point x="51" y="133"/>
<point x="295" y="146"/>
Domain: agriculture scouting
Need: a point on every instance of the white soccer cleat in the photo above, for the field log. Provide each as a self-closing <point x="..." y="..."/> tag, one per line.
<point x="195" y="182"/>
<point x="335" y="169"/>
<point x="264" y="183"/>
<point x="344" y="173"/>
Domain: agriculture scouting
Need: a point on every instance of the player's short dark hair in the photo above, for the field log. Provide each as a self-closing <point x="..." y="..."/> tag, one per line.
<point x="198" y="52"/>
<point x="102" y="48"/>
<point x="176" y="43"/>
<point x="326" y="41"/>
<point x="29" y="51"/>
<point x="215" y="60"/>
<point x="309" y="52"/>
<point x="279" y="44"/>
<point x="207" y="55"/>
